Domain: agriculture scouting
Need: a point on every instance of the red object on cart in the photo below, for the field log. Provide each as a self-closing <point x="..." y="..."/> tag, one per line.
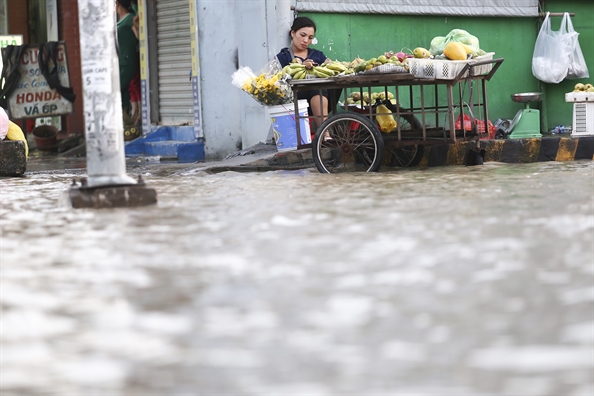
<point x="480" y="126"/>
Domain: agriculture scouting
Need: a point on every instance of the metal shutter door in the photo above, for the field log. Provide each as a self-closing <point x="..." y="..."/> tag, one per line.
<point x="176" y="102"/>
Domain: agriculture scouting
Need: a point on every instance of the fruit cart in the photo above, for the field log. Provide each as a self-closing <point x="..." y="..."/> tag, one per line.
<point x="428" y="105"/>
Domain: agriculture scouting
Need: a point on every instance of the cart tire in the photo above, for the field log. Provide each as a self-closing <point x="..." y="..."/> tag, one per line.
<point x="406" y="156"/>
<point x="356" y="145"/>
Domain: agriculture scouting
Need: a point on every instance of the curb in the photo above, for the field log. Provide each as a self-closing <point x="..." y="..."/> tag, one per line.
<point x="456" y="154"/>
<point x="286" y="160"/>
<point x="513" y="151"/>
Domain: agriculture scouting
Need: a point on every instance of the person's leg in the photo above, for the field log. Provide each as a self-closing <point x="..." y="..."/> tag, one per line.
<point x="320" y="112"/>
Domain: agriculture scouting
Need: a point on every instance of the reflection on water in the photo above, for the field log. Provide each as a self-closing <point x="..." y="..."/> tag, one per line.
<point x="438" y="281"/>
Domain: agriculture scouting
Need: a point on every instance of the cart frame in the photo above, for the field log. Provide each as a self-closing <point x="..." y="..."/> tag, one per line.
<point x="415" y="133"/>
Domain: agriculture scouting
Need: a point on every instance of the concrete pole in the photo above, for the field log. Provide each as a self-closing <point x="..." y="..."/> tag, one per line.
<point x="104" y="129"/>
<point x="107" y="185"/>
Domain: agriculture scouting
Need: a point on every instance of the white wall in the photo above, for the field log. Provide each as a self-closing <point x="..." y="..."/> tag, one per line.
<point x="232" y="34"/>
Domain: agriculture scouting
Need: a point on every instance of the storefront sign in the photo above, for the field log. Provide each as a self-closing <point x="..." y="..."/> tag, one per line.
<point x="33" y="96"/>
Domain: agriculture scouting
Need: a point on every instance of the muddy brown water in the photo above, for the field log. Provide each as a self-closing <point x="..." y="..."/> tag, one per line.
<point x="441" y="281"/>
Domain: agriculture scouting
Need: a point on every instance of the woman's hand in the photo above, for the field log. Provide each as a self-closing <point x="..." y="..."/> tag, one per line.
<point x="309" y="64"/>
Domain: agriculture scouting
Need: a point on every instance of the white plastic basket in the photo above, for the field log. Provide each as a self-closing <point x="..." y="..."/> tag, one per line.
<point x="445" y="69"/>
<point x="385" y="69"/>
<point x="483" y="69"/>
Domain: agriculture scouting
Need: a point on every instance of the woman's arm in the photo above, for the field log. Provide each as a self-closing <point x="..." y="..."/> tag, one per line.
<point x="316" y="56"/>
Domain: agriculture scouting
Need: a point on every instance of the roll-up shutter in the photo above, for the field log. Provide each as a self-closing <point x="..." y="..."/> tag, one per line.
<point x="176" y="104"/>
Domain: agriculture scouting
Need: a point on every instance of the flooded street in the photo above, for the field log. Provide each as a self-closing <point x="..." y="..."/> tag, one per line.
<point x="439" y="281"/>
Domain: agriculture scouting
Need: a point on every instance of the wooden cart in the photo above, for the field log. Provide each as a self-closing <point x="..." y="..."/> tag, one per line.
<point x="349" y="140"/>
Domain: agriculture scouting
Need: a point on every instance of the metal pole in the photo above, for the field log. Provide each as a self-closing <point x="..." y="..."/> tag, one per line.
<point x="106" y="162"/>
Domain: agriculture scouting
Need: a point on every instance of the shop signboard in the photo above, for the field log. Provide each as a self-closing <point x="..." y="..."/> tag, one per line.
<point x="33" y="97"/>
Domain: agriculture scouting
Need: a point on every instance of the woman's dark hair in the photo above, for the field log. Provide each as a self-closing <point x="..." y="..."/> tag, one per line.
<point x="301" y="22"/>
<point x="125" y="3"/>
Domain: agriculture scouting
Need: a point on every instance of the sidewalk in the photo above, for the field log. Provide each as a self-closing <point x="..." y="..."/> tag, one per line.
<point x="259" y="158"/>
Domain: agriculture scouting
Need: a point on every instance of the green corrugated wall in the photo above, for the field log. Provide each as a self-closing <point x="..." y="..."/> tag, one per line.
<point x="346" y="36"/>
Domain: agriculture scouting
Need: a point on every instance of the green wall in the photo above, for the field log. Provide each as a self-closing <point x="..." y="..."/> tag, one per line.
<point x="346" y="36"/>
<point x="555" y="110"/>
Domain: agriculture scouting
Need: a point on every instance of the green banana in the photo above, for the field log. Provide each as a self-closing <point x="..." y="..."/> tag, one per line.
<point x="299" y="75"/>
<point x="336" y="67"/>
<point x="324" y="70"/>
<point x="295" y="70"/>
<point x="320" y="74"/>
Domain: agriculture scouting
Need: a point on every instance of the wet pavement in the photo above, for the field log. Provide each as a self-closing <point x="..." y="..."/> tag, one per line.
<point x="442" y="281"/>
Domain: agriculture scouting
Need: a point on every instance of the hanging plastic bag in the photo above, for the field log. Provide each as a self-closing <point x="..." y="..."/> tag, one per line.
<point x="577" y="65"/>
<point x="553" y="51"/>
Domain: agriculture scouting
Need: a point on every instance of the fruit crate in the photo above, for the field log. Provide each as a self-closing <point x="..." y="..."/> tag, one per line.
<point x="444" y="69"/>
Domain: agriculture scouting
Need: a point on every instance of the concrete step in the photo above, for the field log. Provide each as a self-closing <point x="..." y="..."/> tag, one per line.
<point x="182" y="150"/>
<point x="168" y="141"/>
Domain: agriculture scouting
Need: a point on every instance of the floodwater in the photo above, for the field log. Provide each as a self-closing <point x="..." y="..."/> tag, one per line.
<point x="439" y="281"/>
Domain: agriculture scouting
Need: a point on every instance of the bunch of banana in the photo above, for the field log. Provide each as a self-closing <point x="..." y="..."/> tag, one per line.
<point x="298" y="71"/>
<point x="340" y="67"/>
<point x="323" y="71"/>
<point x="336" y="66"/>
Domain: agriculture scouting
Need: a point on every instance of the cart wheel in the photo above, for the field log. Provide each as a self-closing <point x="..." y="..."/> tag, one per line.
<point x="356" y="145"/>
<point x="407" y="155"/>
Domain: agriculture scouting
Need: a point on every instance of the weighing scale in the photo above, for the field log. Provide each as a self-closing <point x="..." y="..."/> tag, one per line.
<point x="526" y="123"/>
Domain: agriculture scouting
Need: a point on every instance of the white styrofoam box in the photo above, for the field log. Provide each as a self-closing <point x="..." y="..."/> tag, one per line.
<point x="579" y="96"/>
<point x="445" y="69"/>
<point x="583" y="119"/>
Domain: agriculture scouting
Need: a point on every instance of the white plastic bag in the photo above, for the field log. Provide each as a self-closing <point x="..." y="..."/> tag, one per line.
<point x="553" y="51"/>
<point x="577" y="65"/>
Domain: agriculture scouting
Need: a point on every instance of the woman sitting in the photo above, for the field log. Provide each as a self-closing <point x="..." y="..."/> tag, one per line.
<point x="302" y="33"/>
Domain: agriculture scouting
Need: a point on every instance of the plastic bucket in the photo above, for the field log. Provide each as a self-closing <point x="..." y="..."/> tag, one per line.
<point x="285" y="127"/>
<point x="45" y="137"/>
